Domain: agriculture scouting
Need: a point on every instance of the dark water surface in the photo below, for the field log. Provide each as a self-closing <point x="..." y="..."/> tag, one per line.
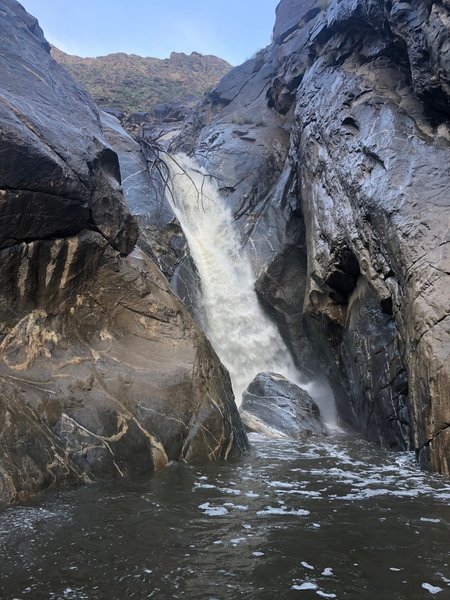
<point x="324" y="519"/>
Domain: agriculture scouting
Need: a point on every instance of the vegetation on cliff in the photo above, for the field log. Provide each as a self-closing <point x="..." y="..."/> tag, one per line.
<point x="132" y="83"/>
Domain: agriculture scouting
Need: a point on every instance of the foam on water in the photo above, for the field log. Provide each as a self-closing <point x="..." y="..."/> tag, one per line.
<point x="184" y="535"/>
<point x="433" y="589"/>
<point x="276" y="510"/>
<point x="307" y="585"/>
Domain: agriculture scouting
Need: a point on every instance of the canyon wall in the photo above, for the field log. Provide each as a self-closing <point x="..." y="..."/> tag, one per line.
<point x="332" y="146"/>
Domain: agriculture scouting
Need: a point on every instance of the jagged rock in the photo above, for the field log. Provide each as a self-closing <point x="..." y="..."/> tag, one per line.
<point x="104" y="374"/>
<point x="339" y="187"/>
<point x="161" y="236"/>
<point x="275" y="406"/>
<point x="145" y="192"/>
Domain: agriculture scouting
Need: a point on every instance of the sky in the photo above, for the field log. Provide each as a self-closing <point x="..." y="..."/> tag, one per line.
<point x="231" y="29"/>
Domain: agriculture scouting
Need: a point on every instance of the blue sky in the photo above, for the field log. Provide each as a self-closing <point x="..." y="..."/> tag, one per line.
<point x="231" y="29"/>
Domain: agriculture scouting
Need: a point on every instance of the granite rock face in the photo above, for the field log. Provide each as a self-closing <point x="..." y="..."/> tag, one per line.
<point x="331" y="146"/>
<point x="103" y="372"/>
<point x="274" y="406"/>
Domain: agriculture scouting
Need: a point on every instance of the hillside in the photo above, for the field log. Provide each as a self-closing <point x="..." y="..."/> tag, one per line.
<point x="134" y="83"/>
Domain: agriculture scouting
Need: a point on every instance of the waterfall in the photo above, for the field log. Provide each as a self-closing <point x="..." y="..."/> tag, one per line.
<point x="245" y="339"/>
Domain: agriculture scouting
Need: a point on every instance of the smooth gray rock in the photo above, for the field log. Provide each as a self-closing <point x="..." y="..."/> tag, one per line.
<point x="147" y="197"/>
<point x="275" y="406"/>
<point x="160" y="234"/>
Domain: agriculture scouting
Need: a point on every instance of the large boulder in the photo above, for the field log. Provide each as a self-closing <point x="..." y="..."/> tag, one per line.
<point x="103" y="372"/>
<point x="275" y="406"/>
<point x="330" y="147"/>
<point x="57" y="174"/>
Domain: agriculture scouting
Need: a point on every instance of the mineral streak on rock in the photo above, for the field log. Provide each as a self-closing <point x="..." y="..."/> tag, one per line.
<point x="103" y="372"/>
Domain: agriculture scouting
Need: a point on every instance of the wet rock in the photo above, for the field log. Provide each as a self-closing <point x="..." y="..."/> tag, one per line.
<point x="146" y="195"/>
<point x="275" y="406"/>
<point x="59" y="167"/>
<point x="343" y="199"/>
<point x="103" y="372"/>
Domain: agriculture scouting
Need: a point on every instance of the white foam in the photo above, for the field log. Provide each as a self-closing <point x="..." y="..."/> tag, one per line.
<point x="204" y="486"/>
<point x="272" y="510"/>
<point x="305" y="586"/>
<point x="307" y="565"/>
<point x="230" y="491"/>
<point x="433" y="589"/>
<point x="213" y="511"/>
<point x="299" y="493"/>
<point x="429" y="520"/>
<point x="237" y="541"/>
<point x="236" y="506"/>
<point x="283" y="484"/>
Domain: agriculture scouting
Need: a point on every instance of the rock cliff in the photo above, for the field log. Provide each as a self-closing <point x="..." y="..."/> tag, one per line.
<point x="332" y="146"/>
<point x="103" y="372"/>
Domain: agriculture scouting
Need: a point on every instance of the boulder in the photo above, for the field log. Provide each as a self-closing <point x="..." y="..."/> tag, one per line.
<point x="57" y="174"/>
<point x="103" y="372"/>
<point x="275" y="406"/>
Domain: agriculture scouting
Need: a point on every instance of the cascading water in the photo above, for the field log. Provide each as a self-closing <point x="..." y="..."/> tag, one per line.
<point x="243" y="336"/>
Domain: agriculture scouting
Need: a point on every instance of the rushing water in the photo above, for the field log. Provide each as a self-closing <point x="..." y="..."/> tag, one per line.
<point x="245" y="339"/>
<point x="332" y="518"/>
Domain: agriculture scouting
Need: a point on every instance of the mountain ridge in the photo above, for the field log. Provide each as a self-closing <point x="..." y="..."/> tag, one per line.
<point x="131" y="83"/>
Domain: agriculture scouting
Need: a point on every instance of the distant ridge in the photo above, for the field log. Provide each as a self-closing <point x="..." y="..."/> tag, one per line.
<point x="131" y="83"/>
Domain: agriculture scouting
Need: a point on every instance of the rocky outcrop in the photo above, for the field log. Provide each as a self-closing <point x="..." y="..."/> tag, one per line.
<point x="274" y="406"/>
<point x="145" y="191"/>
<point x="331" y="146"/>
<point x="103" y="372"/>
